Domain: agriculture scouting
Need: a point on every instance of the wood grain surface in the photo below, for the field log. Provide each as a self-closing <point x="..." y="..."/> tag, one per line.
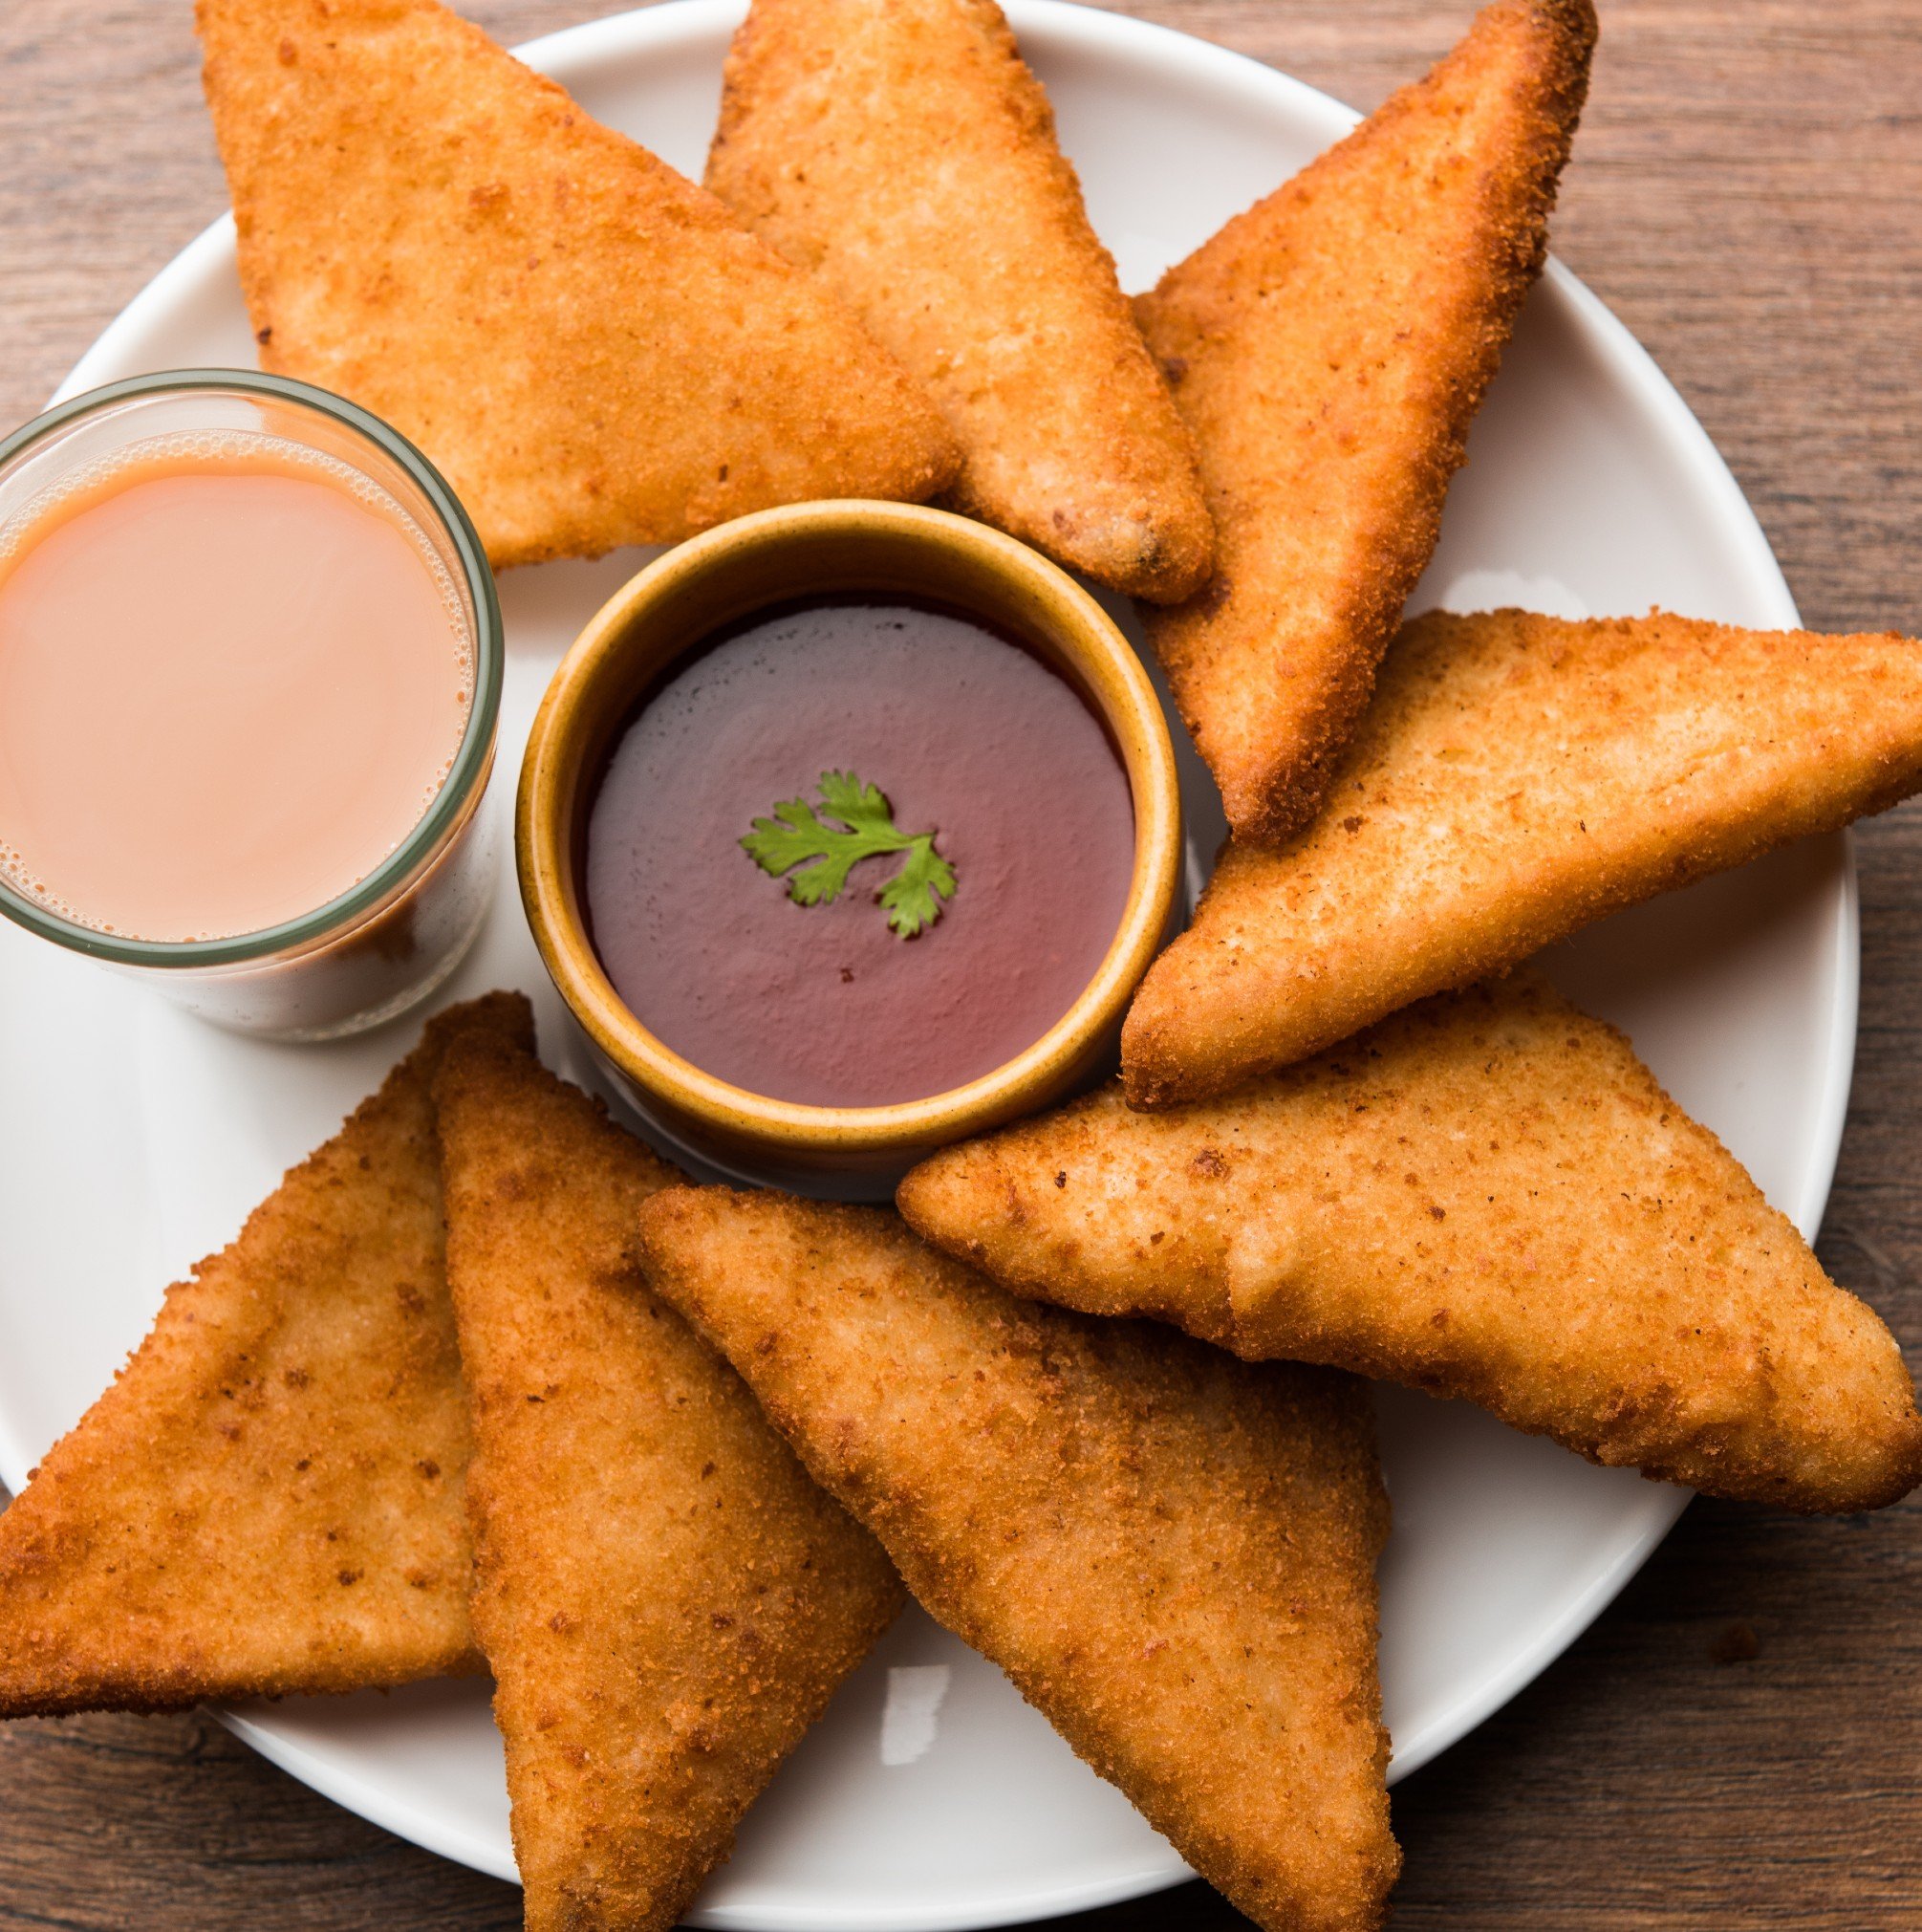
<point x="1737" y="1742"/>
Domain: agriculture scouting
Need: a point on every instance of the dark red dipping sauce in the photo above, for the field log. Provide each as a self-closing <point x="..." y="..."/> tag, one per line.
<point x="970" y="737"/>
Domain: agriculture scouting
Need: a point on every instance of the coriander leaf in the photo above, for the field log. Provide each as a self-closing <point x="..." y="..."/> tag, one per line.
<point x="861" y="806"/>
<point x="794" y="836"/>
<point x="816" y="855"/>
<point x="913" y="896"/>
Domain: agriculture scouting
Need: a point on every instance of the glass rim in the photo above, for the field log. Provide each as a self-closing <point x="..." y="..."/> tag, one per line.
<point x="471" y="759"/>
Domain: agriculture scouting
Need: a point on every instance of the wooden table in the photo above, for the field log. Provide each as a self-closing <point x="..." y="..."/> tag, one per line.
<point x="1737" y="1742"/>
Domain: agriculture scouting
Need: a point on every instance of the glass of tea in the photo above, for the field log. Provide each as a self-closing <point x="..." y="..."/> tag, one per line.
<point x="251" y="665"/>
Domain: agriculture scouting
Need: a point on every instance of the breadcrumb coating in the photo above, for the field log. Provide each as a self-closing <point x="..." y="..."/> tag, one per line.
<point x="1329" y="349"/>
<point x="667" y="1601"/>
<point x="1517" y="777"/>
<point x="589" y="348"/>
<point x="1170" y="1553"/>
<point x="903" y="152"/>
<point x="1488" y="1197"/>
<point x="269" y="1498"/>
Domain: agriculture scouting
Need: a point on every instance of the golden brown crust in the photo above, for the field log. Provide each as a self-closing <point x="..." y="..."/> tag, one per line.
<point x="1331" y="346"/>
<point x="1487" y="1197"/>
<point x="902" y="150"/>
<point x="1171" y="1554"/>
<point x="590" y="347"/>
<point x="1517" y="777"/>
<point x="665" y="1598"/>
<point x="269" y="1498"/>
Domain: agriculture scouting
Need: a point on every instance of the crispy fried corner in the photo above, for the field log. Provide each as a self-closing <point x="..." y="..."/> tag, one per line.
<point x="592" y="349"/>
<point x="1172" y="1554"/>
<point x="269" y="1498"/>
<point x="1488" y="1197"/>
<point x="666" y="1600"/>
<point x="1517" y="777"/>
<point x="1329" y="349"/>
<point x="905" y="153"/>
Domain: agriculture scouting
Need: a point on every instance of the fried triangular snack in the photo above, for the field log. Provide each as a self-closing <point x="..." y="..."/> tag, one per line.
<point x="666" y="1600"/>
<point x="902" y="150"/>
<point x="1330" y="347"/>
<point x="1517" y="777"/>
<point x="592" y="349"/>
<point x="1170" y="1553"/>
<point x="269" y="1498"/>
<point x="1489" y="1197"/>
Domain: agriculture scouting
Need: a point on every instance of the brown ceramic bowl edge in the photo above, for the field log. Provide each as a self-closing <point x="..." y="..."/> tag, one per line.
<point x="574" y="730"/>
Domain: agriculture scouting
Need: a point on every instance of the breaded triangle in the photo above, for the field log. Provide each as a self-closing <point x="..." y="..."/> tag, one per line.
<point x="666" y="1600"/>
<point x="1487" y="1197"/>
<point x="1517" y="777"/>
<point x="902" y="150"/>
<point x="591" y="349"/>
<point x="269" y="1498"/>
<point x="1170" y="1553"/>
<point x="1329" y="349"/>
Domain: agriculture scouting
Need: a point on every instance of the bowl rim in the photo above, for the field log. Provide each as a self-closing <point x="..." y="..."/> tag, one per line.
<point x="472" y="762"/>
<point x="1117" y="685"/>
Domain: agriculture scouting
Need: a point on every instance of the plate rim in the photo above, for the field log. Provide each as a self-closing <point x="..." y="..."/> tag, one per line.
<point x="1687" y="446"/>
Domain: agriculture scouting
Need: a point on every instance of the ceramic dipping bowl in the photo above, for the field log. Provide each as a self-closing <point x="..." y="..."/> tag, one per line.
<point x="634" y="641"/>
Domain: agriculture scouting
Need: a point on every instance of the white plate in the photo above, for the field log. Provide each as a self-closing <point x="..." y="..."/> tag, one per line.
<point x="133" y="1139"/>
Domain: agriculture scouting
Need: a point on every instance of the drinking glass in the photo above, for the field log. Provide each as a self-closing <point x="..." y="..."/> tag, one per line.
<point x="390" y="940"/>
